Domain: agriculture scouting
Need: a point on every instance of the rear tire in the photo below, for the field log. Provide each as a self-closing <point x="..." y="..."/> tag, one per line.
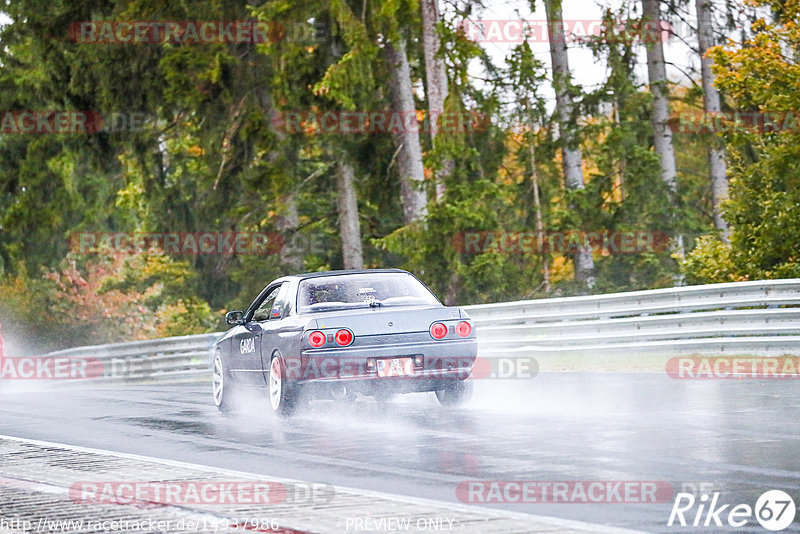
<point x="221" y="384"/>
<point x="455" y="393"/>
<point x="282" y="397"/>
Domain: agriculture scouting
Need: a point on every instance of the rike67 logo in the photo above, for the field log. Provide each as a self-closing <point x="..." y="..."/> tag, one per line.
<point x="774" y="510"/>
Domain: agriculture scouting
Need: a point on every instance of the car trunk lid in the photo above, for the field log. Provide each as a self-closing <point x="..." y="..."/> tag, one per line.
<point x="385" y="320"/>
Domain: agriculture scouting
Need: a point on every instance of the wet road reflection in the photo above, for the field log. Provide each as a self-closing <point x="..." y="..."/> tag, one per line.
<point x="741" y="437"/>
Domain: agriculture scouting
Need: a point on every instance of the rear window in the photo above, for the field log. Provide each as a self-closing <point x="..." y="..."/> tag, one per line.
<point x="362" y="291"/>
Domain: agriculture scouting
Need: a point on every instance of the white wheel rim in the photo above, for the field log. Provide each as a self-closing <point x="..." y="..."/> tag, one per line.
<point x="275" y="383"/>
<point x="218" y="380"/>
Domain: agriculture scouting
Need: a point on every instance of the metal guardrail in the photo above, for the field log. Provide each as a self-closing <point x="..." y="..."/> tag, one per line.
<point x="753" y="318"/>
<point x="173" y="359"/>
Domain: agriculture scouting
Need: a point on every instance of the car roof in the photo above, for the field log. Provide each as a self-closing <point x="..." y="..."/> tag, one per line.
<point x="319" y="274"/>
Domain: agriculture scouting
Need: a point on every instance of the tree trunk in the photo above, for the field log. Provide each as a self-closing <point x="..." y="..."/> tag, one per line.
<point x="537" y="206"/>
<point x="348" y="217"/>
<point x="711" y="101"/>
<point x="435" y="82"/>
<point x="409" y="159"/>
<point x="662" y="135"/>
<point x="657" y="75"/>
<point x="570" y="152"/>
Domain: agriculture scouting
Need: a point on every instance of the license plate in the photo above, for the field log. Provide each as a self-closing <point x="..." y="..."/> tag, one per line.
<point x="395" y="367"/>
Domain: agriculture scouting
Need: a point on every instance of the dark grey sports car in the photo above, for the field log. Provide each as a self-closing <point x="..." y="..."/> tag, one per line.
<point x="336" y="334"/>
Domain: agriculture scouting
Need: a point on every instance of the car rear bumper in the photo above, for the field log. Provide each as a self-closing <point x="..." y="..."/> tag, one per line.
<point x="432" y="365"/>
<point x="375" y="385"/>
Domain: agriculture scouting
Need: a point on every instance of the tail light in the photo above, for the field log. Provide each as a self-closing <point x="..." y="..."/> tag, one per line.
<point x="463" y="329"/>
<point x="344" y="337"/>
<point x="438" y="330"/>
<point x="316" y="339"/>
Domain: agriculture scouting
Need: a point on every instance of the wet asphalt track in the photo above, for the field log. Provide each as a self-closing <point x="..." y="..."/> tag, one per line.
<point x="740" y="436"/>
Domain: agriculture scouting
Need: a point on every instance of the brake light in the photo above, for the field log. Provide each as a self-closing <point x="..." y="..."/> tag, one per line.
<point x="438" y="330"/>
<point x="316" y="339"/>
<point x="344" y="337"/>
<point x="463" y="329"/>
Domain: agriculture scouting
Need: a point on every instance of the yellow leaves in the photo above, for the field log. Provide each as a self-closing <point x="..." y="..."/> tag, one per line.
<point x="512" y="170"/>
<point x="589" y="168"/>
<point x="184" y="317"/>
<point x="517" y="136"/>
<point x="196" y="150"/>
<point x="757" y="73"/>
<point x="615" y="195"/>
<point x="130" y="195"/>
<point x="758" y="25"/>
<point x="561" y="269"/>
<point x="97" y="293"/>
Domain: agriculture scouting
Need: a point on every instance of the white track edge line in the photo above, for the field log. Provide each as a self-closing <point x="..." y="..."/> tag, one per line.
<point x="555" y="521"/>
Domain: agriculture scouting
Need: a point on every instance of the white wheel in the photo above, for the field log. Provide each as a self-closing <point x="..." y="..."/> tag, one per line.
<point x="217" y="380"/>
<point x="221" y="386"/>
<point x="275" y="384"/>
<point x="282" y="397"/>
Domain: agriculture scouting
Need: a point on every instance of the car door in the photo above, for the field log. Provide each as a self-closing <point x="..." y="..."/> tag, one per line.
<point x="246" y="353"/>
<point x="275" y="327"/>
<point x="266" y="317"/>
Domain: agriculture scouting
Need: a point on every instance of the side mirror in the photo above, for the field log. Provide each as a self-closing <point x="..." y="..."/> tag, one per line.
<point x="235" y="317"/>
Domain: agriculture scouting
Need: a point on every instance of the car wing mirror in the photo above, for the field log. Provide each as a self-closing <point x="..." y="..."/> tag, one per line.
<point x="235" y="317"/>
